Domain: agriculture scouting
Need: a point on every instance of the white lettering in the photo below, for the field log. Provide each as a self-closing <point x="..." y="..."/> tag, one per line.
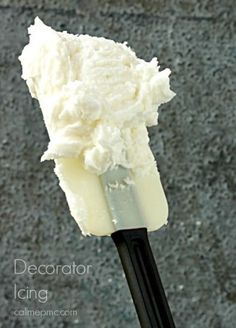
<point x="17" y="261"/>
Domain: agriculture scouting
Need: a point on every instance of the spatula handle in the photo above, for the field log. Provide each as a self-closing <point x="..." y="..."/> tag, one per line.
<point x="143" y="278"/>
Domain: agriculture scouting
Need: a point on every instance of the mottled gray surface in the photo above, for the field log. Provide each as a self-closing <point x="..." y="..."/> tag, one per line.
<point x="194" y="146"/>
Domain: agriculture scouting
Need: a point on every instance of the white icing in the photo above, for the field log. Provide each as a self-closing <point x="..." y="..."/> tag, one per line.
<point x="96" y="96"/>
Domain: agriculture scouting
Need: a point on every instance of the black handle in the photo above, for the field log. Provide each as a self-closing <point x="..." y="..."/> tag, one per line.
<point x="143" y="278"/>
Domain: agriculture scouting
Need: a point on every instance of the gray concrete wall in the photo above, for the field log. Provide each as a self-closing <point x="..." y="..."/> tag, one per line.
<point x="194" y="146"/>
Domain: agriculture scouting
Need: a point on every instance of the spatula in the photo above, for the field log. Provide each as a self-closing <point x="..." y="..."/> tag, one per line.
<point x="136" y="256"/>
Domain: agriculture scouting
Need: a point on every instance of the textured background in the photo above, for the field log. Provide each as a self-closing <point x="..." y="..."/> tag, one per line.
<point x="194" y="145"/>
